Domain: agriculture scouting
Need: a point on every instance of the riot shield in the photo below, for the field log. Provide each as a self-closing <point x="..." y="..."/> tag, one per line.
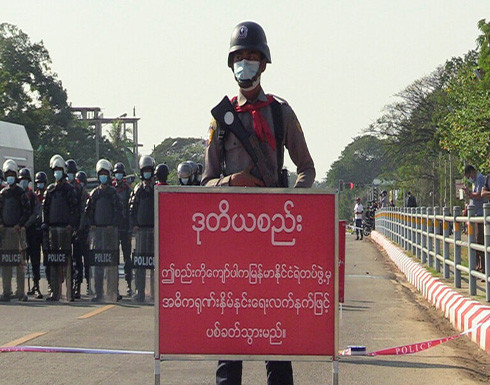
<point x="57" y="259"/>
<point x="143" y="255"/>
<point x="104" y="261"/>
<point x="12" y="254"/>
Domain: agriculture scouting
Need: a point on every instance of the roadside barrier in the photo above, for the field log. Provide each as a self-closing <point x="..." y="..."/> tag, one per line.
<point x="435" y="239"/>
<point x="463" y="313"/>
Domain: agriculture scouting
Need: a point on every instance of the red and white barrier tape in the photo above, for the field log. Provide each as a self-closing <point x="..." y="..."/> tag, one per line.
<point x="413" y="348"/>
<point x="53" y="349"/>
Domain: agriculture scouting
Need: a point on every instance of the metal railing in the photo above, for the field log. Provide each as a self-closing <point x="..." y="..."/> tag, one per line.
<point x="435" y="239"/>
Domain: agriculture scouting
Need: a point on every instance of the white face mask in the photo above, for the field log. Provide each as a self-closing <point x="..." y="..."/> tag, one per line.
<point x="11" y="180"/>
<point x="245" y="70"/>
<point x="58" y="174"/>
<point x="184" y="181"/>
<point x="118" y="176"/>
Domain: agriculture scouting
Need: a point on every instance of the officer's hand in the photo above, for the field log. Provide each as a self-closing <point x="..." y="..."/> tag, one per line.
<point x="244" y="178"/>
<point x="1" y="227"/>
<point x="135" y="229"/>
<point x="17" y="228"/>
<point x="69" y="228"/>
<point x="92" y="228"/>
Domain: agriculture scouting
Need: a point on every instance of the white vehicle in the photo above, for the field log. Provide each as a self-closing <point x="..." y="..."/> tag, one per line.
<point x="15" y="145"/>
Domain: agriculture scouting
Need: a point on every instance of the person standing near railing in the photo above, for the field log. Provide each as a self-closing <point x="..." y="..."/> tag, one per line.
<point x="358" y="211"/>
<point x="477" y="198"/>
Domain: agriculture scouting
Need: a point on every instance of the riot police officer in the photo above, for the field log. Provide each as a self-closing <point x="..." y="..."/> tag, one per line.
<point x="40" y="185"/>
<point x="15" y="210"/>
<point x="60" y="210"/>
<point x="33" y="251"/>
<point x="77" y="277"/>
<point x="229" y="161"/>
<point x="162" y="174"/>
<point x="82" y="232"/>
<point x="124" y="191"/>
<point x="141" y="212"/>
<point x="185" y="173"/>
<point x="103" y="210"/>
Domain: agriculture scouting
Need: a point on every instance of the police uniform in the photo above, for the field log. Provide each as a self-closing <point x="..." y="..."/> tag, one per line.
<point x="33" y="225"/>
<point x="15" y="210"/>
<point x="124" y="191"/>
<point x="237" y="159"/>
<point x="141" y="214"/>
<point x="78" y="242"/>
<point x="103" y="209"/>
<point x="225" y="155"/>
<point x="60" y="209"/>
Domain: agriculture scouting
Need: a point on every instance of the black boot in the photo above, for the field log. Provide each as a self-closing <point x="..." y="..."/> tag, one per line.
<point x="76" y="291"/>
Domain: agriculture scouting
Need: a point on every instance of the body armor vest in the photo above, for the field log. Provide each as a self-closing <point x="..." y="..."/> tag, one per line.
<point x="145" y="214"/>
<point x="12" y="208"/>
<point x="103" y="210"/>
<point x="59" y="209"/>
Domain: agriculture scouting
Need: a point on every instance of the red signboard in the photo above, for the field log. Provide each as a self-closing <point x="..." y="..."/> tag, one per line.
<point x="246" y="272"/>
<point x="341" y="260"/>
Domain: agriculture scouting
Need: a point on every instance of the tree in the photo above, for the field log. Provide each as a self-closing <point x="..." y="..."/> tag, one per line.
<point x="173" y="151"/>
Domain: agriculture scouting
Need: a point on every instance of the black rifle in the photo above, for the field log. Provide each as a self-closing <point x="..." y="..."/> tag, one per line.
<point x="227" y="118"/>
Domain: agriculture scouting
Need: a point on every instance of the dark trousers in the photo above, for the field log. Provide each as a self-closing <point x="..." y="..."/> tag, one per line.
<point x="34" y="240"/>
<point x="77" y="260"/>
<point x="278" y="373"/>
<point x="125" y="240"/>
<point x="359" y="228"/>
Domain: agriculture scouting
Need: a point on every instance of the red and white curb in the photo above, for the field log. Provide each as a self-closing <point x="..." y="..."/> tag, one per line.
<point x="463" y="313"/>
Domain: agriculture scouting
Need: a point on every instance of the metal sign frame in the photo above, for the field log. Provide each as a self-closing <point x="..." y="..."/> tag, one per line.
<point x="200" y="357"/>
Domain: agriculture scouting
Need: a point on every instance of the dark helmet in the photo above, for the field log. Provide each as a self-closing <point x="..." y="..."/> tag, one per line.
<point x="24" y="173"/>
<point x="162" y="172"/>
<point x="81" y="177"/>
<point x="41" y="177"/>
<point x="71" y="166"/>
<point x="248" y="35"/>
<point x="119" y="168"/>
<point x="185" y="173"/>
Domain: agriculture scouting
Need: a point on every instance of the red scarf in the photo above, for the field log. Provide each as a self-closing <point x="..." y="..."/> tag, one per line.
<point x="261" y="127"/>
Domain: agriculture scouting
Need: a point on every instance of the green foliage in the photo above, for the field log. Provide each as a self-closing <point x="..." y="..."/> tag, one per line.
<point x="32" y="95"/>
<point x="173" y="151"/>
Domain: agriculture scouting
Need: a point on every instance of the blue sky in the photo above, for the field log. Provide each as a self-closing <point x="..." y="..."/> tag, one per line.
<point x="338" y="63"/>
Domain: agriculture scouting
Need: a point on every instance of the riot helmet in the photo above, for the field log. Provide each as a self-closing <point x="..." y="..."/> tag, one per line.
<point x="81" y="177"/>
<point x="184" y="173"/>
<point x="41" y="180"/>
<point x="147" y="167"/>
<point x="71" y="166"/>
<point x="57" y="161"/>
<point x="10" y="166"/>
<point x="41" y="177"/>
<point x="119" y="168"/>
<point x="24" y="173"/>
<point x="103" y="164"/>
<point x="248" y="35"/>
<point x="162" y="172"/>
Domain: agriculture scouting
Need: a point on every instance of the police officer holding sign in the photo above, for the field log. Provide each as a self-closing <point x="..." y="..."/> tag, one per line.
<point x="246" y="146"/>
<point x="15" y="210"/>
